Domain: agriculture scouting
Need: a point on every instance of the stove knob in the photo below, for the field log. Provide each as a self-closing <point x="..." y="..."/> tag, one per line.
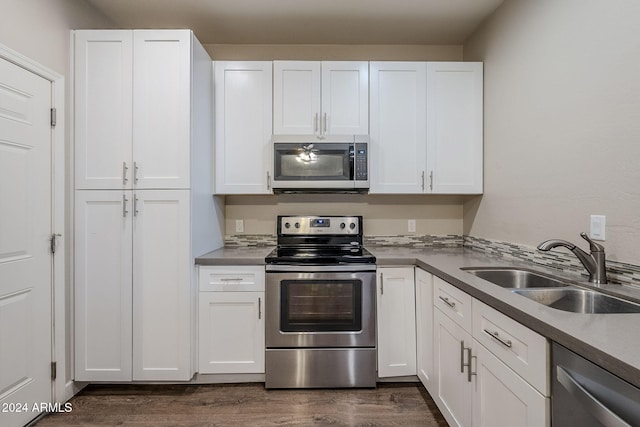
<point x="342" y="225"/>
<point x="287" y="225"/>
<point x="297" y="225"/>
<point x="352" y="225"/>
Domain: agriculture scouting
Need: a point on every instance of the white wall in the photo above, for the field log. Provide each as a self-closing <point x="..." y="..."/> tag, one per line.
<point x="562" y="123"/>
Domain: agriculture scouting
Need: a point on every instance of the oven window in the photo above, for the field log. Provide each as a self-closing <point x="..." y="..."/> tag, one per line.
<point x="321" y="305"/>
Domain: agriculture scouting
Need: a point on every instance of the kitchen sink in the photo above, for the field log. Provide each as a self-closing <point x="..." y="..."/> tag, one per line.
<point x="515" y="278"/>
<point x="577" y="300"/>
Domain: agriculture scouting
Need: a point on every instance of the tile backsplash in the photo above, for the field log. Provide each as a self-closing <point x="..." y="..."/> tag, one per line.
<point x="617" y="272"/>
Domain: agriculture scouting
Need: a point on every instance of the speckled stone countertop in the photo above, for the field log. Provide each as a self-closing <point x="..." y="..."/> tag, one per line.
<point x="609" y="340"/>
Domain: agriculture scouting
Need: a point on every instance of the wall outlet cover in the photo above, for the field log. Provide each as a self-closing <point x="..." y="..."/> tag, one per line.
<point x="597" y="228"/>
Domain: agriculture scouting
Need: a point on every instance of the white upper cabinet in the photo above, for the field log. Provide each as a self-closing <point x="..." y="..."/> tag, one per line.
<point x="161" y="108"/>
<point x="321" y="98"/>
<point x="426" y="127"/>
<point x="103" y="109"/>
<point x="398" y="127"/>
<point x="243" y="124"/>
<point x="454" y="127"/>
<point x="132" y="109"/>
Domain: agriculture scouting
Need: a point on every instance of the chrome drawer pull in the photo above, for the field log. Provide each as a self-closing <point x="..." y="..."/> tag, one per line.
<point x="496" y="336"/>
<point x="446" y="301"/>
<point x="231" y="279"/>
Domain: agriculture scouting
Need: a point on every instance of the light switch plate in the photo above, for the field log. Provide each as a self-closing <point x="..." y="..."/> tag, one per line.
<point x="598" y="223"/>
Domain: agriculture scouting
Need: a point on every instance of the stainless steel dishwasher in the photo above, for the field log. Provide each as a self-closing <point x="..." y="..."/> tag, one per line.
<point x="583" y="394"/>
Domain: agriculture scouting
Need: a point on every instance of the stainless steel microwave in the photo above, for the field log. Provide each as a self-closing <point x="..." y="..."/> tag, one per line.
<point x="303" y="163"/>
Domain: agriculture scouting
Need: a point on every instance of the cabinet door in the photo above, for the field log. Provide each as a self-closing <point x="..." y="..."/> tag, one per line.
<point x="231" y="332"/>
<point x="454" y="127"/>
<point x="103" y="102"/>
<point x="452" y="390"/>
<point x="161" y="108"/>
<point x="396" y="322"/>
<point x="103" y="285"/>
<point x="398" y="109"/>
<point x="502" y="398"/>
<point x="243" y="105"/>
<point x="424" y="326"/>
<point x="162" y="285"/>
<point x="345" y="98"/>
<point x="296" y="97"/>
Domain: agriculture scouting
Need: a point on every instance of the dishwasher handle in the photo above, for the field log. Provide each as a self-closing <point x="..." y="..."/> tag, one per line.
<point x="591" y="404"/>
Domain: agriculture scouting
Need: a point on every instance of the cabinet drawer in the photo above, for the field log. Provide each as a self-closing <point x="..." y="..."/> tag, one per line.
<point x="231" y="279"/>
<point x="453" y="302"/>
<point x="523" y="350"/>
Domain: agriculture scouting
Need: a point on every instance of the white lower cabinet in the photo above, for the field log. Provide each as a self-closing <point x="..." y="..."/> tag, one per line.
<point x="132" y="285"/>
<point x="492" y="371"/>
<point x="424" y="327"/>
<point x="396" y="322"/>
<point x="231" y="320"/>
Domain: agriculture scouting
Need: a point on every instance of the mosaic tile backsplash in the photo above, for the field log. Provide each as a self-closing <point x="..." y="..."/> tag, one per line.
<point x="617" y="272"/>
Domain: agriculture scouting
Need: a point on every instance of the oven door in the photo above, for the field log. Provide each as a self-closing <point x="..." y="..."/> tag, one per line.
<point x="313" y="165"/>
<point x="320" y="309"/>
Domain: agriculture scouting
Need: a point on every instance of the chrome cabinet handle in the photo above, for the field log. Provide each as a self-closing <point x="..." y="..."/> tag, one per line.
<point x="324" y="123"/>
<point x="496" y="336"/>
<point x="589" y="402"/>
<point x="471" y="373"/>
<point x="124" y="206"/>
<point x="431" y="180"/>
<point x="259" y="308"/>
<point x="315" y="123"/>
<point x="446" y="301"/>
<point x="381" y="284"/>
<point x="463" y="350"/>
<point x="422" y="180"/>
<point x="135" y="171"/>
<point x="268" y="180"/>
<point x="124" y="173"/>
<point x="135" y="206"/>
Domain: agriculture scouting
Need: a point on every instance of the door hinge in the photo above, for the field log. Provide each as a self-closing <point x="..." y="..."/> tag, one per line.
<point x="54" y="242"/>
<point x="54" y="370"/>
<point x="53" y="117"/>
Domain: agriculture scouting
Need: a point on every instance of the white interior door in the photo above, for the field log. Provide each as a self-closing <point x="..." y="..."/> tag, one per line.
<point x="25" y="229"/>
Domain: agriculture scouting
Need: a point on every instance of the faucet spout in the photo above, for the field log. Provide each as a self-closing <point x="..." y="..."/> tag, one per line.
<point x="593" y="262"/>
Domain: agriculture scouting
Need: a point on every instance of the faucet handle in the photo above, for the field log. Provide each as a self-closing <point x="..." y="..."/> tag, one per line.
<point x="593" y="246"/>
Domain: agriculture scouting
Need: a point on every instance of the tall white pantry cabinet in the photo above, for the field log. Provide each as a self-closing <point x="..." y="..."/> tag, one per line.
<point x="143" y="201"/>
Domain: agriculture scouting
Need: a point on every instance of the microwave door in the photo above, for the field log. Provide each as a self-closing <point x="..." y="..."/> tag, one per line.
<point x="300" y="165"/>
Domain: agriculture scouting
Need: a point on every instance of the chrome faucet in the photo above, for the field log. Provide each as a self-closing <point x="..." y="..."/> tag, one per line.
<point x="593" y="262"/>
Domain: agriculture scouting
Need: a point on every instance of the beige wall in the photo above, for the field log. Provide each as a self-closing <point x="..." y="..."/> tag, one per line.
<point x="233" y="52"/>
<point x="562" y="123"/>
<point x="383" y="215"/>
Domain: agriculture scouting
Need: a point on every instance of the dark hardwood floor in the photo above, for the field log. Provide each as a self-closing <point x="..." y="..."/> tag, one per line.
<point x="403" y="404"/>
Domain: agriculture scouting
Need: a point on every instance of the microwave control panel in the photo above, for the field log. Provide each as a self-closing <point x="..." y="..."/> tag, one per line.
<point x="361" y="160"/>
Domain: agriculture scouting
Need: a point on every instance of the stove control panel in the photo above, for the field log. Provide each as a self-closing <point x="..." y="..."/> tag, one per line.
<point x="314" y="225"/>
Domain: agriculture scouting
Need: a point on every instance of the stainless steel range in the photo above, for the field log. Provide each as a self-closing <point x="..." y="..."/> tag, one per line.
<point x="320" y="305"/>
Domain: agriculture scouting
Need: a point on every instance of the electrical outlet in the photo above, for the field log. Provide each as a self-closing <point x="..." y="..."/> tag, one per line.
<point x="598" y="223"/>
<point x="411" y="226"/>
<point x="239" y="226"/>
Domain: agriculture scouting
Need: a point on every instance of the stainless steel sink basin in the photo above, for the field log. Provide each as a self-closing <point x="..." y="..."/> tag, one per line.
<point x="577" y="300"/>
<point x="515" y="278"/>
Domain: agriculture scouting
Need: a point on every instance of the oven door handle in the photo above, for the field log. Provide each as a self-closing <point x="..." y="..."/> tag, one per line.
<point x="321" y="268"/>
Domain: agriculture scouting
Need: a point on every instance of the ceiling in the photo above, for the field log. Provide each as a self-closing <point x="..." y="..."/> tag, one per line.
<point x="307" y="21"/>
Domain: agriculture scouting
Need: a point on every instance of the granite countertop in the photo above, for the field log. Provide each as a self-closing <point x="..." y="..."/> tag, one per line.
<point x="240" y="255"/>
<point x="609" y="340"/>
